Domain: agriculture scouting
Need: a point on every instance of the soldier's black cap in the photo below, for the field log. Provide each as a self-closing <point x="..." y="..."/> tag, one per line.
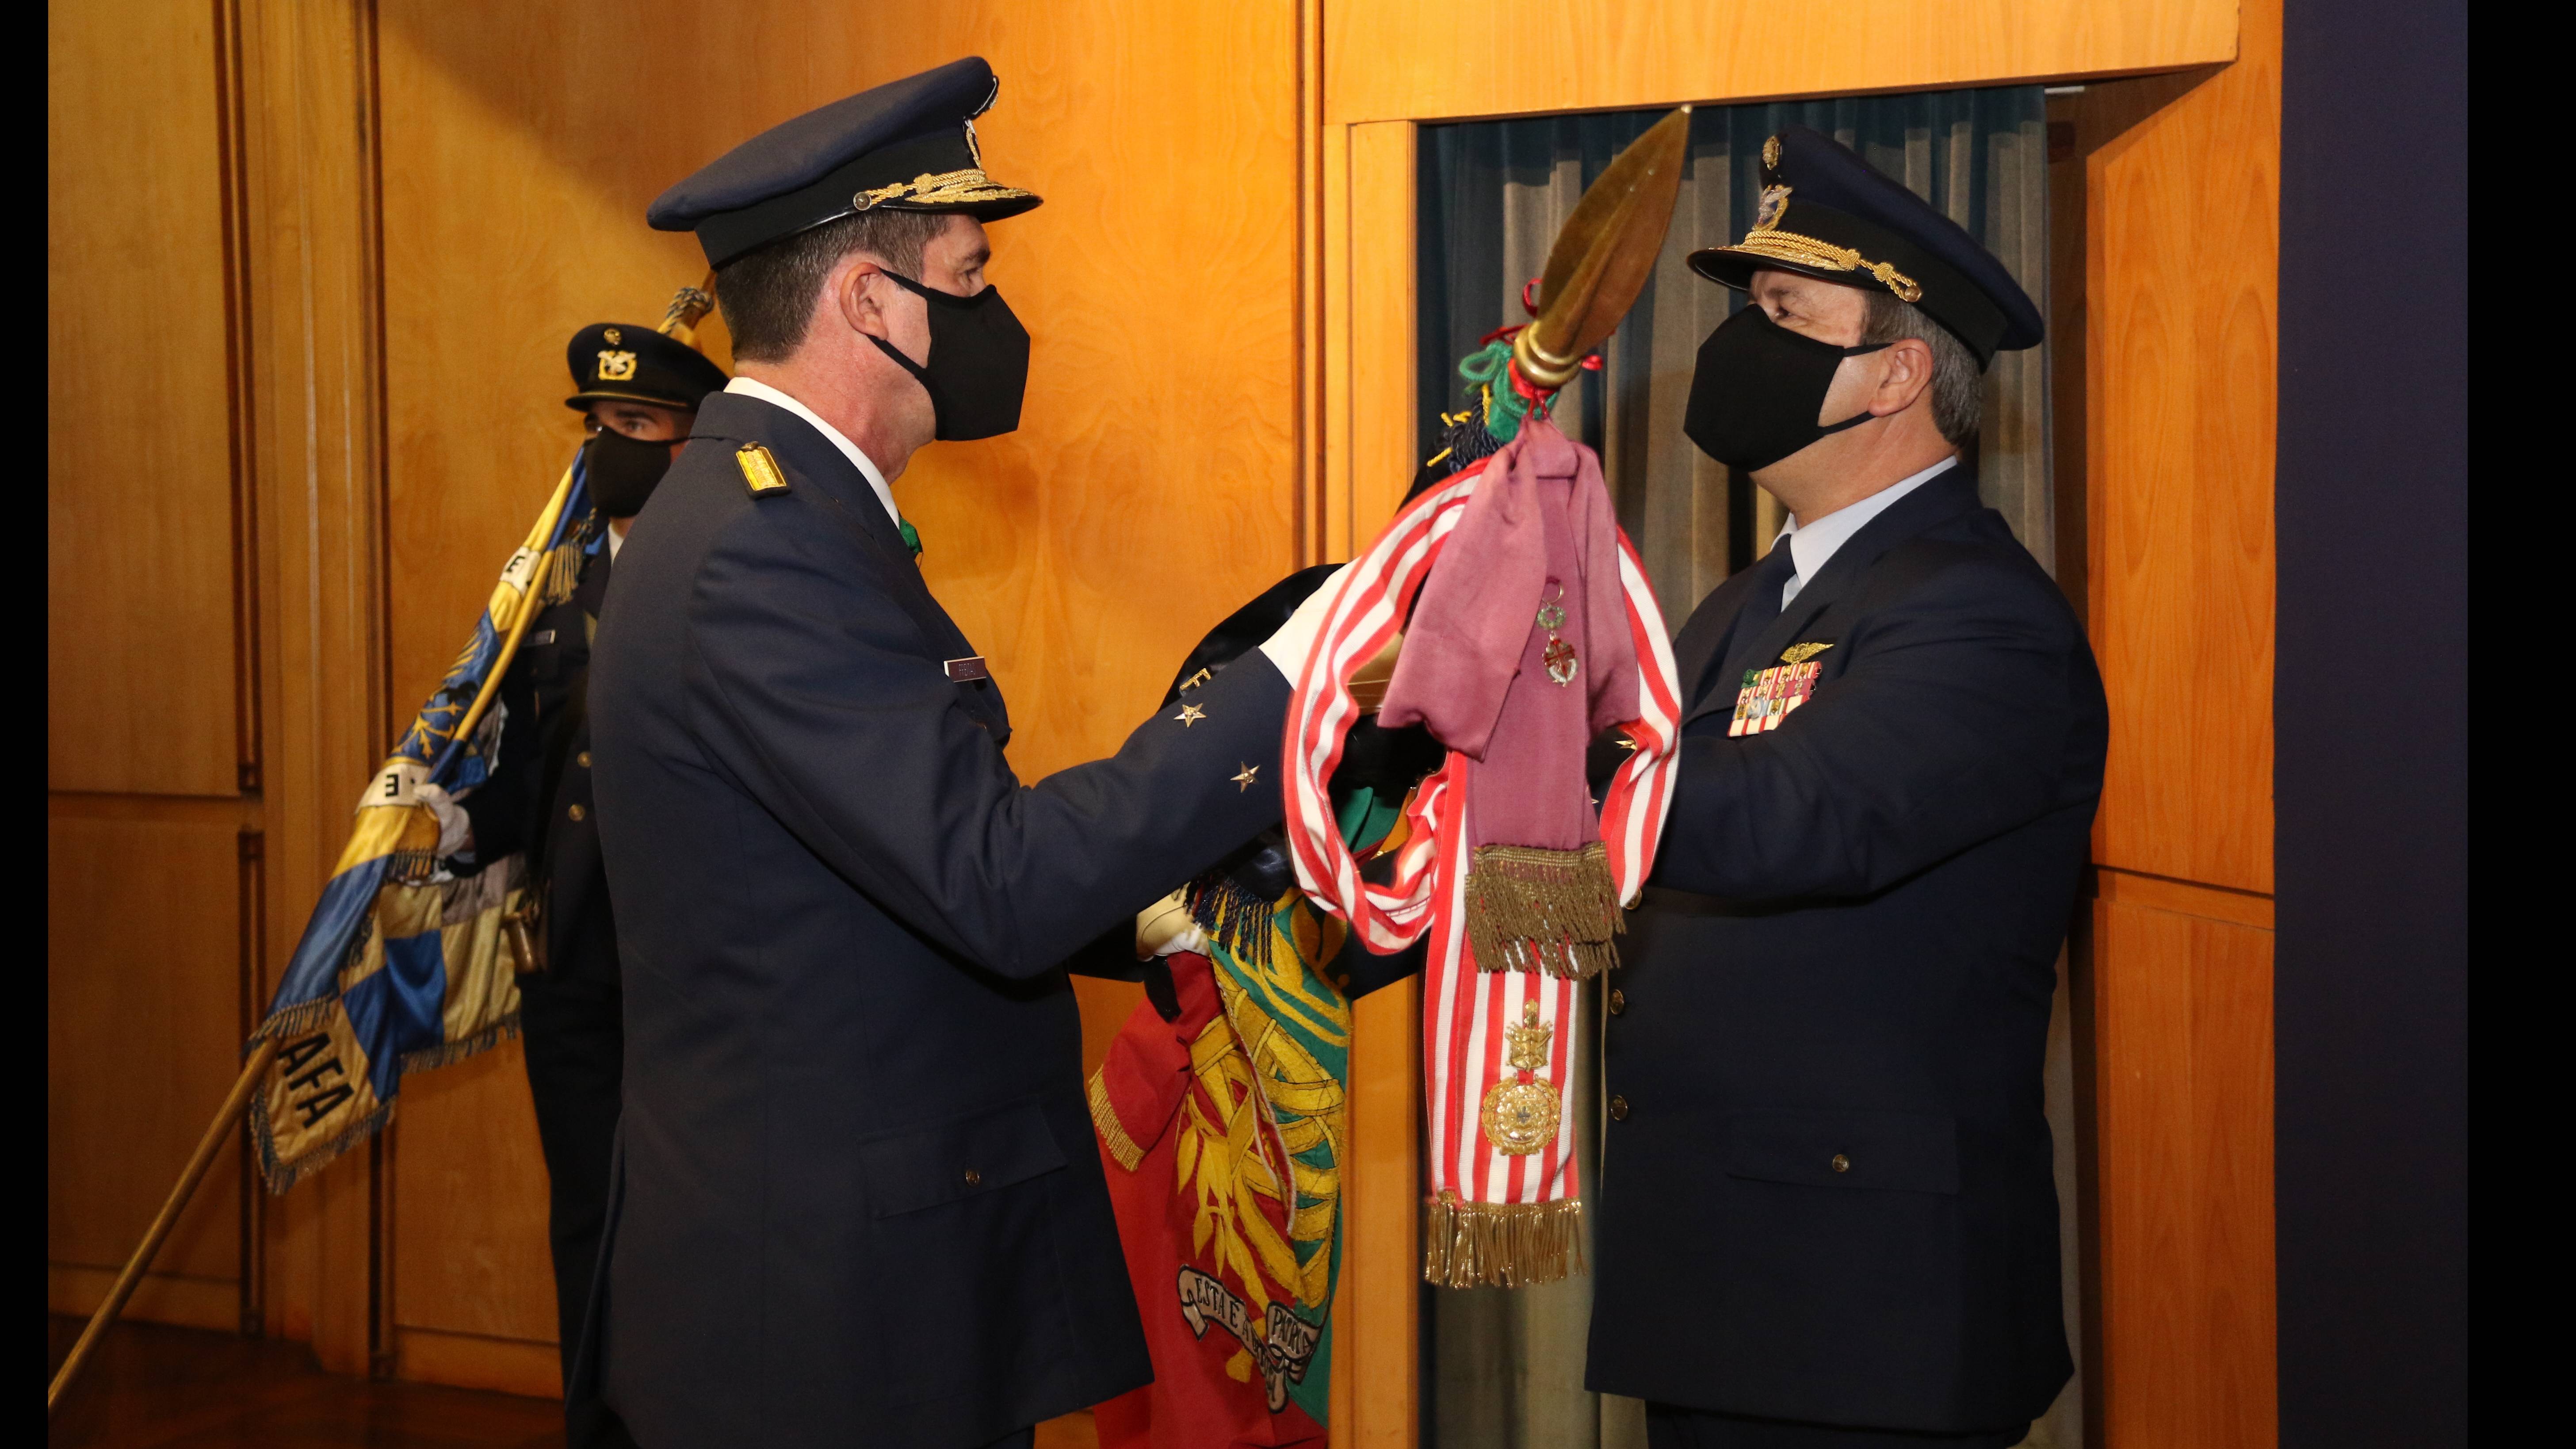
<point x="908" y="145"/>
<point x="1827" y="213"/>
<point x="630" y="362"/>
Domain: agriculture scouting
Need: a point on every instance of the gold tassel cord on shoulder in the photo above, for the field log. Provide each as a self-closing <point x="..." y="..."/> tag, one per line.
<point x="1499" y="1244"/>
<point x="1547" y="910"/>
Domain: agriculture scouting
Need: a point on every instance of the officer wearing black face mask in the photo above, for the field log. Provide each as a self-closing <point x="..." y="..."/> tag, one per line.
<point x="1829" y="1217"/>
<point x="639" y="387"/>
<point x="861" y="1202"/>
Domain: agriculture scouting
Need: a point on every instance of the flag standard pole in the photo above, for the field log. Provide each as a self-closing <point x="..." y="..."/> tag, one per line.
<point x="126" y="1282"/>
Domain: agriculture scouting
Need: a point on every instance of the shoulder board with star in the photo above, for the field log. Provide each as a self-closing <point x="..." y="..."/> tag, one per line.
<point x="760" y="471"/>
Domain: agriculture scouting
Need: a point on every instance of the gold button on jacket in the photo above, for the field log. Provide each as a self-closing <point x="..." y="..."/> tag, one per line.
<point x="1618" y="1109"/>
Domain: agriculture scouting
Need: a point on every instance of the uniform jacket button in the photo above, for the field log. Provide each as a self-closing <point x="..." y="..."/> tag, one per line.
<point x="1841" y="1163"/>
<point x="582" y="759"/>
<point x="1618" y="1001"/>
<point x="576" y="812"/>
<point x="1618" y="1109"/>
<point x="974" y="1178"/>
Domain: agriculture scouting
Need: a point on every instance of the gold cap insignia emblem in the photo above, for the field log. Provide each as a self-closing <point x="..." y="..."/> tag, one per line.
<point x="760" y="471"/>
<point x="1520" y="1116"/>
<point x="1770" y="151"/>
<point x="612" y="337"/>
<point x="1766" y="213"/>
<point x="616" y="366"/>
<point x="1801" y="653"/>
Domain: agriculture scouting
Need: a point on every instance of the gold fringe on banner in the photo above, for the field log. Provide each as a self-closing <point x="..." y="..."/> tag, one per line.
<point x="1500" y="1244"/>
<point x="1546" y="910"/>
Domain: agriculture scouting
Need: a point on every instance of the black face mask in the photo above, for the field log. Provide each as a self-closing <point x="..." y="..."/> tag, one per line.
<point x="979" y="361"/>
<point x="622" y="472"/>
<point x="1759" y="387"/>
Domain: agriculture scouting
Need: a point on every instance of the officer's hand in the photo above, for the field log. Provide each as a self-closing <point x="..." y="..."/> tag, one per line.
<point x="1295" y="640"/>
<point x="1166" y="927"/>
<point x="455" y="827"/>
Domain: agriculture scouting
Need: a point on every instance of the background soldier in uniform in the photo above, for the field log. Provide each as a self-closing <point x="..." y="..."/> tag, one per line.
<point x="1828" y="1217"/>
<point x="640" y="389"/>
<point x="858" y="1200"/>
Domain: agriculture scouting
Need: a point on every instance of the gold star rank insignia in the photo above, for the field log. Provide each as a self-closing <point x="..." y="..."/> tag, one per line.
<point x="1243" y="781"/>
<point x="1190" y="714"/>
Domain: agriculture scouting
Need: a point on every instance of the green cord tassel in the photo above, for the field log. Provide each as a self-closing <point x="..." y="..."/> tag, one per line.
<point x="911" y="536"/>
<point x="1490" y="370"/>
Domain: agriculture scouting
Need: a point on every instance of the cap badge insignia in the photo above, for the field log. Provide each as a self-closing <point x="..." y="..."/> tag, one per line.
<point x="616" y="366"/>
<point x="1775" y="200"/>
<point x="1771" y="151"/>
<point x="760" y="471"/>
<point x="612" y="336"/>
<point x="1521" y="1113"/>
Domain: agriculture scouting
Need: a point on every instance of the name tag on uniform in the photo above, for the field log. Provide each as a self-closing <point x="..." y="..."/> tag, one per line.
<point x="1769" y="694"/>
<point x="969" y="668"/>
<point x="541" y="638"/>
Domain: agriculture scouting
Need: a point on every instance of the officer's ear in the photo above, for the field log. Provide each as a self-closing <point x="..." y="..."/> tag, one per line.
<point x="861" y="293"/>
<point x="1905" y="374"/>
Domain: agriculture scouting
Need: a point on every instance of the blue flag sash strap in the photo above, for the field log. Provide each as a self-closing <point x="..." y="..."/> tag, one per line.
<point x="404" y="965"/>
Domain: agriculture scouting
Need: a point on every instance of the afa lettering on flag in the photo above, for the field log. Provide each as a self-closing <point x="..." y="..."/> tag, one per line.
<point x="403" y="965"/>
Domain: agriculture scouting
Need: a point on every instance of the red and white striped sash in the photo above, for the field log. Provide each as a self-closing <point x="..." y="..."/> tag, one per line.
<point x="1494" y="1216"/>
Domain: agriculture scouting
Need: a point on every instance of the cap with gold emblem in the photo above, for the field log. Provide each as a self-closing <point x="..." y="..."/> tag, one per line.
<point x="1827" y="213"/>
<point x="631" y="362"/>
<point x="908" y="145"/>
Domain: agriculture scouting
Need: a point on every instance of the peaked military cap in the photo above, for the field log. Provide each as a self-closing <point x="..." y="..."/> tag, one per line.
<point x="908" y="145"/>
<point x="630" y="362"/>
<point x="1827" y="213"/>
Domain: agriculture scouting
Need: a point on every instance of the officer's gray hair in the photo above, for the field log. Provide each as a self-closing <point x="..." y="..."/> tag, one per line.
<point x="767" y="295"/>
<point x="1958" y="383"/>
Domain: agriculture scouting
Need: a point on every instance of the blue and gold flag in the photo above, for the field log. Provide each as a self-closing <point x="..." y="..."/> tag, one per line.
<point x="404" y="965"/>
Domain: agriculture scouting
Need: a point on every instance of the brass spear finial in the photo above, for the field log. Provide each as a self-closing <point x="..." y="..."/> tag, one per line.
<point x="1603" y="254"/>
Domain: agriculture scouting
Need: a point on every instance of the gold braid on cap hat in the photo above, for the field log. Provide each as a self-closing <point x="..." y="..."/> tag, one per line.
<point x="945" y="188"/>
<point x="1766" y="240"/>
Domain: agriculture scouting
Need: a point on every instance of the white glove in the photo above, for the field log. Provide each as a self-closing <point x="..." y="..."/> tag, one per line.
<point x="1166" y="928"/>
<point x="1296" y="639"/>
<point x="455" y="827"/>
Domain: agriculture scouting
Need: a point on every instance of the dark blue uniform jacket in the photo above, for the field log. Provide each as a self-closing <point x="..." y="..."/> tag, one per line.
<point x="1826" y="1193"/>
<point x="861" y="1203"/>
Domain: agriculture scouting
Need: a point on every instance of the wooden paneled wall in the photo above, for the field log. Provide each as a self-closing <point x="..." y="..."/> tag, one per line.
<point x="2180" y="182"/>
<point x="150" y="837"/>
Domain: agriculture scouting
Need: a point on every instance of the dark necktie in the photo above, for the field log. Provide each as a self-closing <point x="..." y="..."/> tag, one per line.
<point x="1769" y="577"/>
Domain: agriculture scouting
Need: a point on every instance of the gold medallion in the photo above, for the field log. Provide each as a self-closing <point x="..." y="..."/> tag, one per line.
<point x="1521" y="1115"/>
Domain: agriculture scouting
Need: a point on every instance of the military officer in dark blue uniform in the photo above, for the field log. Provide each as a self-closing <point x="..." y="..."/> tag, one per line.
<point x="859" y="1202"/>
<point x="1827" y="1217"/>
<point x="639" y="390"/>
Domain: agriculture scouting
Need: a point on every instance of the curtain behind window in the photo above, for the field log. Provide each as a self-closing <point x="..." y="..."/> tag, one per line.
<point x="1506" y="1366"/>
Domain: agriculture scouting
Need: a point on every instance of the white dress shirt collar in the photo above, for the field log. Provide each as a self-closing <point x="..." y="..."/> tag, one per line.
<point x="752" y="387"/>
<point x="1811" y="545"/>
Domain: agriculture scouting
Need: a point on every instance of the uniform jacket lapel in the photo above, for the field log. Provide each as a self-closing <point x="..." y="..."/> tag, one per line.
<point x="1936" y="502"/>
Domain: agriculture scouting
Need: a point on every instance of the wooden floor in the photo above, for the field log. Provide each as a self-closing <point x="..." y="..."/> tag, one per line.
<point x="151" y="1385"/>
